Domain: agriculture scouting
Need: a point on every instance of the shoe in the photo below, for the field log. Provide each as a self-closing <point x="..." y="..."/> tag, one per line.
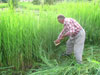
<point x="64" y="54"/>
<point x="79" y="62"/>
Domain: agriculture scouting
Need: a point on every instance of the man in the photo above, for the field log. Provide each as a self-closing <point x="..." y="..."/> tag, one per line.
<point x="76" y="37"/>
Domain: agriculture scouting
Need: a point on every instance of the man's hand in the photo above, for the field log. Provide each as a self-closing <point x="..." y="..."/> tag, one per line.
<point x="57" y="42"/>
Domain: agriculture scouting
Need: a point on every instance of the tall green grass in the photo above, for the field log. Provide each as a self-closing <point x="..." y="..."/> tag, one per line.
<point x="26" y="40"/>
<point x="3" y="5"/>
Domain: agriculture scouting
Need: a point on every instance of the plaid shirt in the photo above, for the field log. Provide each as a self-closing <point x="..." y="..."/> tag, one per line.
<point x="71" y="28"/>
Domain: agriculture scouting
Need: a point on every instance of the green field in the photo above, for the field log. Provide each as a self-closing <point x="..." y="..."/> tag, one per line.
<point x="27" y="35"/>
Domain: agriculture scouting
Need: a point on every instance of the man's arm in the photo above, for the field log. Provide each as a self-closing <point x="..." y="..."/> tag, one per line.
<point x="67" y="34"/>
<point x="61" y="35"/>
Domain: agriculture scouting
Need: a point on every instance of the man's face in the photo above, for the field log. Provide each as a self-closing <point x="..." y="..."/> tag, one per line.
<point x="61" y="20"/>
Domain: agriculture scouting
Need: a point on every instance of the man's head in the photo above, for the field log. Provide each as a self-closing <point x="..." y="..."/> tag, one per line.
<point x="61" y="18"/>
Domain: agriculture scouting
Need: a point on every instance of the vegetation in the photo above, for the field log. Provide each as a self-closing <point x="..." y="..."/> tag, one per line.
<point x="26" y="40"/>
<point x="3" y="5"/>
<point x="5" y="1"/>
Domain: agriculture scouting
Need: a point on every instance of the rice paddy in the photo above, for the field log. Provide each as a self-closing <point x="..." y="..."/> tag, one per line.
<point x="26" y="40"/>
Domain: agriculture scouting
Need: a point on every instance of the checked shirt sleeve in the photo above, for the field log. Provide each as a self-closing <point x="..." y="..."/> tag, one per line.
<point x="62" y="33"/>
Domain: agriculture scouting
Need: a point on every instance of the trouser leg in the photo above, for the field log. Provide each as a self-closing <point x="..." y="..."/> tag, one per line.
<point x="79" y="46"/>
<point x="70" y="46"/>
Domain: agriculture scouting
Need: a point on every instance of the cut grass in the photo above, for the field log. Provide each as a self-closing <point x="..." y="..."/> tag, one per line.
<point x="68" y="66"/>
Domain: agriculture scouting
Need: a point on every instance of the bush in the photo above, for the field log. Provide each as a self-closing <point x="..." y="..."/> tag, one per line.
<point x="5" y="1"/>
<point x="36" y="2"/>
<point x="13" y="3"/>
<point x="49" y="1"/>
